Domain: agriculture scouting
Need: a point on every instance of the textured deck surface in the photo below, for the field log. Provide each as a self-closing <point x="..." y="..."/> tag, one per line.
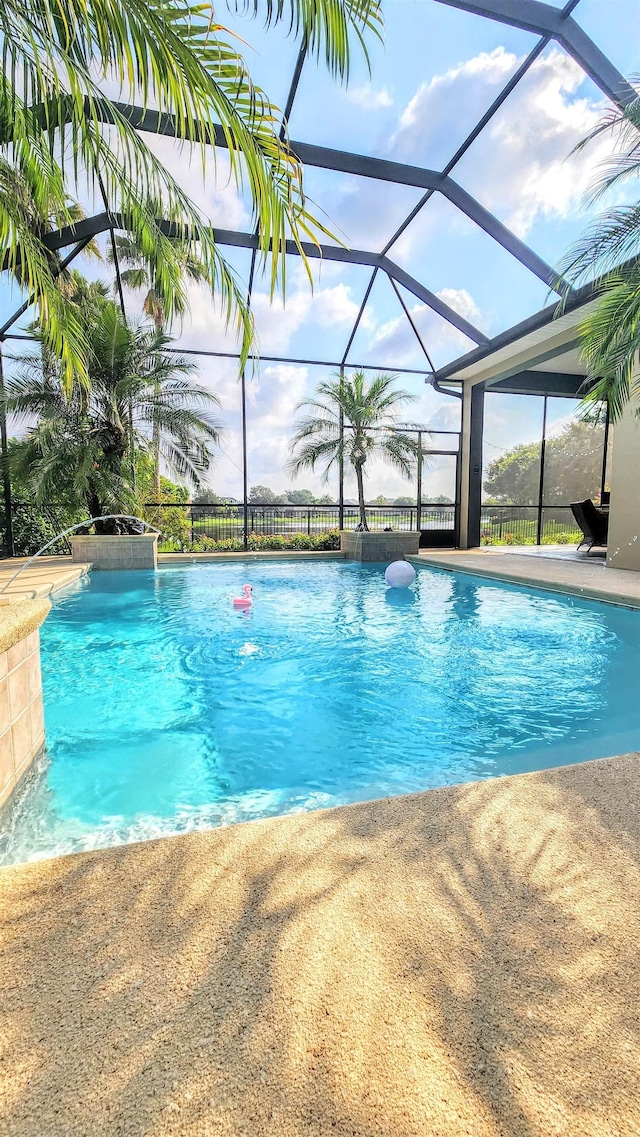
<point x="17" y="621"/>
<point x="460" y="962"/>
<point x="42" y="578"/>
<point x="587" y="577"/>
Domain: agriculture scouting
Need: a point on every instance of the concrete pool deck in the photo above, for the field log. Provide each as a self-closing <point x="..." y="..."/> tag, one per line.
<point x="540" y="569"/>
<point x="458" y="963"/>
<point x="41" y="579"/>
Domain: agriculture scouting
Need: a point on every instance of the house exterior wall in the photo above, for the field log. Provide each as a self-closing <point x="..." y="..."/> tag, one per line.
<point x="21" y="711"/>
<point x="623" y="545"/>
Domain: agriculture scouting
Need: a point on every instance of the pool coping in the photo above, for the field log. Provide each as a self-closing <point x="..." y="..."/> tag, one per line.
<point x="19" y="620"/>
<point x="539" y="577"/>
<point x="40" y="580"/>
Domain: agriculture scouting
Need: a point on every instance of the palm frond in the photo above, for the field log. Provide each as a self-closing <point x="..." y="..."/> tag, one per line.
<point x="400" y="451"/>
<point x="325" y="28"/>
<point x="177" y="60"/>
<point x="612" y="239"/>
<point x="366" y="410"/>
<point x="132" y="376"/>
<point x="622" y="124"/>
<point x="134" y="278"/>
<point x="610" y="339"/>
<point x="325" y="452"/>
<point x="608" y="254"/>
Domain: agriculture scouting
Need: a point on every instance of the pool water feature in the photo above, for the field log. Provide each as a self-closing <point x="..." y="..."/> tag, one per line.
<point x="166" y="710"/>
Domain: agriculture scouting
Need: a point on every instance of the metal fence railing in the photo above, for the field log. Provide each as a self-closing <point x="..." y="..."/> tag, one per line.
<point x="206" y="526"/>
<point x="528" y="525"/>
<point x="186" y="526"/>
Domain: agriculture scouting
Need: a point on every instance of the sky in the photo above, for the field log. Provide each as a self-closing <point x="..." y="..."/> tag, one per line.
<point x="435" y="74"/>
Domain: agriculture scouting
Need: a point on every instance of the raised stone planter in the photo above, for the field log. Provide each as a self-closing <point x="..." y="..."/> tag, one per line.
<point x="379" y="546"/>
<point x="126" y="552"/>
<point x="21" y="714"/>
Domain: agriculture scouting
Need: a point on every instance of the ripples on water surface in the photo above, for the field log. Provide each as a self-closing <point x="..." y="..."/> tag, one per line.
<point x="168" y="711"/>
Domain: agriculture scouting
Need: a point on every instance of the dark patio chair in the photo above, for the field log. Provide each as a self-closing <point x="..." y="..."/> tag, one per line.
<point x="593" y="523"/>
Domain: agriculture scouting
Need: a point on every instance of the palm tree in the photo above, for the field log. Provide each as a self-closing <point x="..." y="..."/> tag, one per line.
<point x="86" y="443"/>
<point x="178" y="61"/>
<point x="352" y="420"/>
<point x="609" y="254"/>
<point x="141" y="273"/>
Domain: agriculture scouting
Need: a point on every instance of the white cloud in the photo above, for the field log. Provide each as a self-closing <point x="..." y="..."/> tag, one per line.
<point x="325" y="307"/>
<point x="395" y="340"/>
<point x="211" y="187"/>
<point x="273" y="397"/>
<point x="204" y="328"/>
<point x="445" y="100"/>
<point x="521" y="166"/>
<point x="276" y="389"/>
<point x="519" y="169"/>
<point x="362" y="212"/>
<point x="368" y="98"/>
<point x="277" y="323"/>
<point x="277" y="392"/>
<point x="464" y="304"/>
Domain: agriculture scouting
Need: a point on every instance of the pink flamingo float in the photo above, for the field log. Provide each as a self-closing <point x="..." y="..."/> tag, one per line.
<point x="245" y="600"/>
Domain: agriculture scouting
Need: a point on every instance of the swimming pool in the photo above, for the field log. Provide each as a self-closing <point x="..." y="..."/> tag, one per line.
<point x="166" y="710"/>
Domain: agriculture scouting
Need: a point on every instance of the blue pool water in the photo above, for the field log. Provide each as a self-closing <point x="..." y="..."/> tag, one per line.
<point x="166" y="710"/>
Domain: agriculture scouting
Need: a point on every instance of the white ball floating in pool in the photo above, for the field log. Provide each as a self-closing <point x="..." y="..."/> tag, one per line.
<point x="400" y="574"/>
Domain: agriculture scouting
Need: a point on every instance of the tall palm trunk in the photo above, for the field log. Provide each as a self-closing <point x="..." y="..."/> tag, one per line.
<point x="156" y="459"/>
<point x="155" y="442"/>
<point x="94" y="506"/>
<point x="361" y="502"/>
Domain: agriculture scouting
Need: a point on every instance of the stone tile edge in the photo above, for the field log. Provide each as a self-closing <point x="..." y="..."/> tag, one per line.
<point x="19" y="620"/>
<point x="494" y="573"/>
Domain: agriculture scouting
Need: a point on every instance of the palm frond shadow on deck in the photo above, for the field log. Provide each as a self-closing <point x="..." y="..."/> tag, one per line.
<point x="463" y="961"/>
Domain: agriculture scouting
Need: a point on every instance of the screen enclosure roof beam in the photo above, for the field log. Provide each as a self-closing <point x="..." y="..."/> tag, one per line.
<point x="546" y="335"/>
<point x="558" y="383"/>
<point x="365" y="166"/>
<point x="547" y="20"/>
<point x="100" y="223"/>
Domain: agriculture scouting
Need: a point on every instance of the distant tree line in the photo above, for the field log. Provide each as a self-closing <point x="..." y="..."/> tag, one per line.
<point x="263" y="495"/>
<point x="572" y="470"/>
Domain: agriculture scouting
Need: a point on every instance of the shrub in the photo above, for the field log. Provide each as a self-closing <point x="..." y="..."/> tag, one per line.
<point x="210" y="545"/>
<point x="508" y="539"/>
<point x="33" y="527"/>
<point x="562" y="537"/>
<point x="174" y="525"/>
<point x="264" y="542"/>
